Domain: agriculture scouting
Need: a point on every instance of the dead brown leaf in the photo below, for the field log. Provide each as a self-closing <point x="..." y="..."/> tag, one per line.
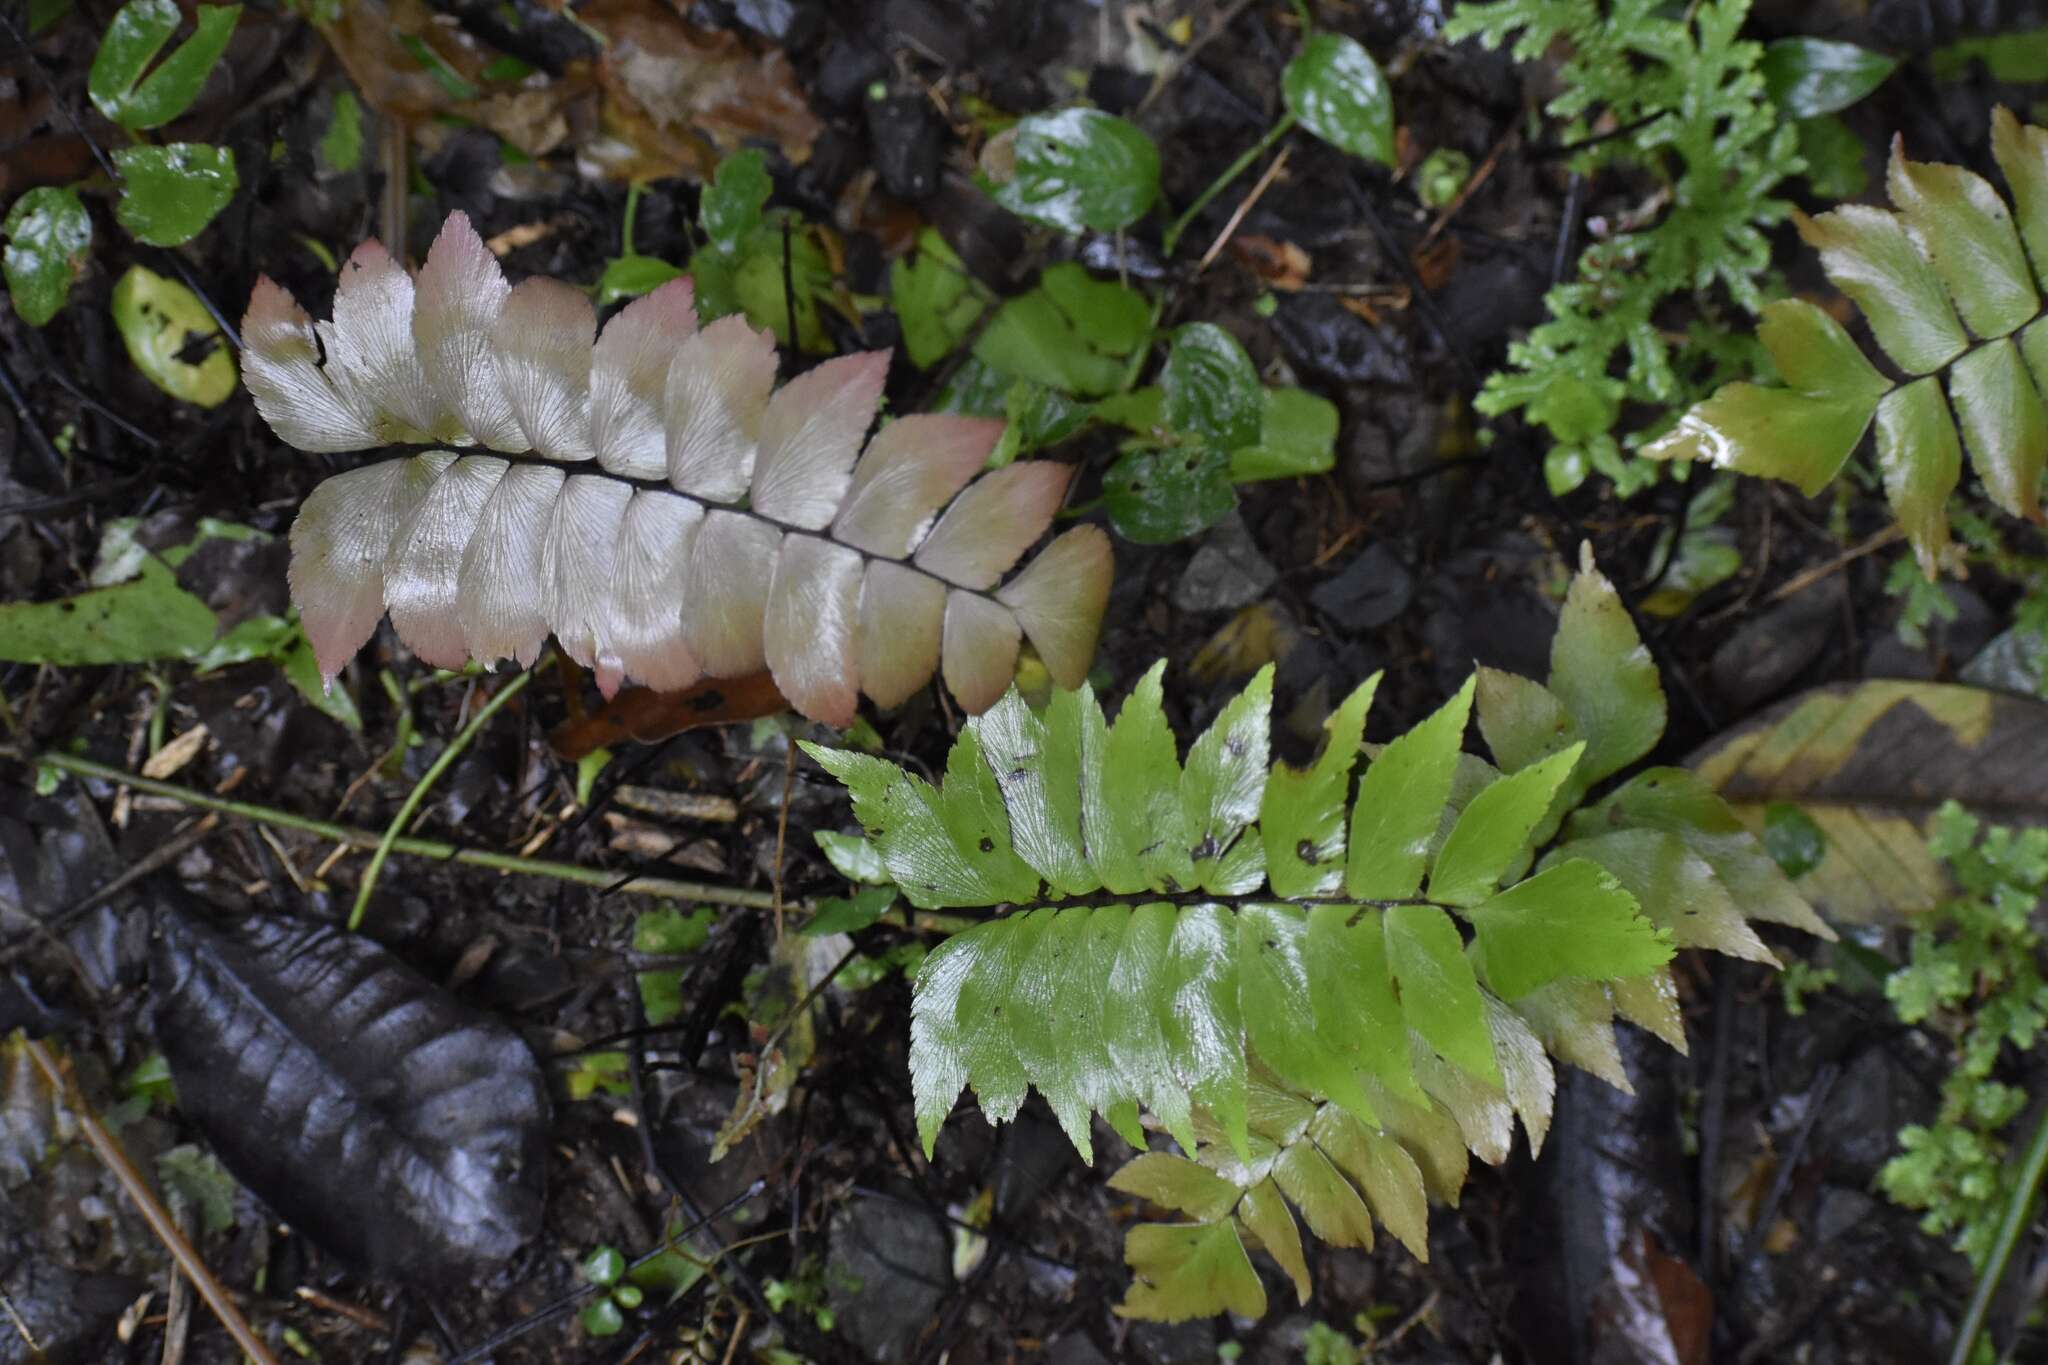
<point x="638" y="715"/>
<point x="1278" y="265"/>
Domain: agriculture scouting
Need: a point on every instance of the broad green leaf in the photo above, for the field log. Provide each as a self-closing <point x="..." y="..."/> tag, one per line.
<point x="1868" y="255"/>
<point x="1529" y="1078"/>
<point x="1521" y="720"/>
<point x="116" y="83"/>
<point x="2003" y="424"/>
<point x="169" y="193"/>
<point x="1225" y="776"/>
<point x="1337" y="91"/>
<point x="1133" y="1015"/>
<point x="916" y="838"/>
<point x="1275" y="985"/>
<point x="1176" y="1183"/>
<point x="1157" y="496"/>
<point x="1575" y="1020"/>
<point x="1963" y="227"/>
<point x="1480" y="1109"/>
<point x="49" y="235"/>
<point x="1302" y="814"/>
<point x="302" y="670"/>
<point x="1439" y="995"/>
<point x="853" y="857"/>
<point x="1771" y="433"/>
<point x="1675" y="889"/>
<point x="1038" y="769"/>
<point x="973" y="810"/>
<point x="1492" y="834"/>
<point x="730" y="208"/>
<point x="1815" y="354"/>
<point x="1604" y="676"/>
<point x="1400" y="802"/>
<point x="1054" y="980"/>
<point x="1187" y="1271"/>
<point x="1651" y="1002"/>
<point x="341" y="146"/>
<point x="1092" y="1051"/>
<point x="1265" y="1216"/>
<point x="147" y="618"/>
<point x="1076" y="169"/>
<point x="1679" y="802"/>
<point x="1211" y="387"/>
<point x="1351" y="993"/>
<point x="1921" y="460"/>
<point x="1036" y="417"/>
<point x="160" y="322"/>
<point x="991" y="1036"/>
<point x="1141" y="779"/>
<point x="1388" y="1175"/>
<point x="936" y="300"/>
<point x="1570" y="920"/>
<point x="1329" y="1203"/>
<point x="849" y="914"/>
<point x="1071" y="333"/>
<point x="1200" y="1016"/>
<point x="628" y="277"/>
<point x="1805" y="77"/>
<point x="2022" y="154"/>
<point x="1796" y="844"/>
<point x="1297" y="436"/>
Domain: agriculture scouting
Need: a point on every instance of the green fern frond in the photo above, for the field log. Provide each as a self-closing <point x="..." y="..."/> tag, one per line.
<point x="1326" y="986"/>
<point x="1947" y="281"/>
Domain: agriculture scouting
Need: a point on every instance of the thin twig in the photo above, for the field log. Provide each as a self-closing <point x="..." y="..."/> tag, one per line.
<point x="666" y="888"/>
<point x="1800" y="582"/>
<point x="1171" y="237"/>
<point x="159" y="1219"/>
<point x="1244" y="206"/>
<point x="1471" y="187"/>
<point x="441" y="765"/>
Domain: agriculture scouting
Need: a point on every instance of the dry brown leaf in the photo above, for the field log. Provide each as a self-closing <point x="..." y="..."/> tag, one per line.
<point x="678" y="97"/>
<point x="1278" y="265"/>
<point x="643" y="716"/>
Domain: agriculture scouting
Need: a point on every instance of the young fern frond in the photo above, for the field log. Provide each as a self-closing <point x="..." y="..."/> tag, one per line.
<point x="1325" y="989"/>
<point x="1949" y="283"/>
<point x="651" y="497"/>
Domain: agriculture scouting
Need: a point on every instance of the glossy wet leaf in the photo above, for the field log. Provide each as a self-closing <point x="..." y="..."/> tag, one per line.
<point x="1156" y="496"/>
<point x="1338" y="92"/>
<point x="1211" y="387"/>
<point x="1439" y="995"/>
<point x="1190" y="1271"/>
<point x="1297" y="437"/>
<point x="1869" y="764"/>
<point x="162" y="323"/>
<point x="628" y="277"/>
<point x="1604" y="677"/>
<point x="1400" y="804"/>
<point x="49" y="235"/>
<point x="1959" y="222"/>
<point x="402" y="1131"/>
<point x="120" y="82"/>
<point x="1076" y="169"/>
<point x="1493" y="832"/>
<point x="1805" y="77"/>
<point x="1302" y="812"/>
<point x="170" y="193"/>
<point x="2003" y="424"/>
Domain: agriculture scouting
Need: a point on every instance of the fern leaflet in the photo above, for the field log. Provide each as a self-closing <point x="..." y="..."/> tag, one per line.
<point x="1948" y="283"/>
<point x="1325" y="990"/>
<point x="651" y="497"/>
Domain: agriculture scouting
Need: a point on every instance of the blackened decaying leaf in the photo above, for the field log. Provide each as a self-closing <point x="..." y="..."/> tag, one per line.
<point x="382" y="1118"/>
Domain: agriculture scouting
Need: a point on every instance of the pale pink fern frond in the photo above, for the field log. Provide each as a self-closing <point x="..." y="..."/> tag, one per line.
<point x="650" y="497"/>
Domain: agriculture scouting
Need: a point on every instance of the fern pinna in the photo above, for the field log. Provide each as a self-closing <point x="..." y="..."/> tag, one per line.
<point x="713" y="524"/>
<point x="1325" y="991"/>
<point x="1951" y="289"/>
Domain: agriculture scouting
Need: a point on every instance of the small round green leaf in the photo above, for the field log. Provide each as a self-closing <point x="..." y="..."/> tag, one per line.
<point x="158" y="320"/>
<point x="48" y="234"/>
<point x="628" y="277"/>
<point x="603" y="1319"/>
<point x="117" y="84"/>
<point x="1155" y="497"/>
<point x="731" y="206"/>
<point x="604" y="1266"/>
<point x="1339" y="93"/>
<point x="169" y="193"/>
<point x="1796" y="844"/>
<point x="1077" y="169"/>
<point x="1212" y="387"/>
<point x="1809" y="76"/>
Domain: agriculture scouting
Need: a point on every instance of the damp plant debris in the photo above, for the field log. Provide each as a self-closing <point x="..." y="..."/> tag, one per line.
<point x="650" y="496"/>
